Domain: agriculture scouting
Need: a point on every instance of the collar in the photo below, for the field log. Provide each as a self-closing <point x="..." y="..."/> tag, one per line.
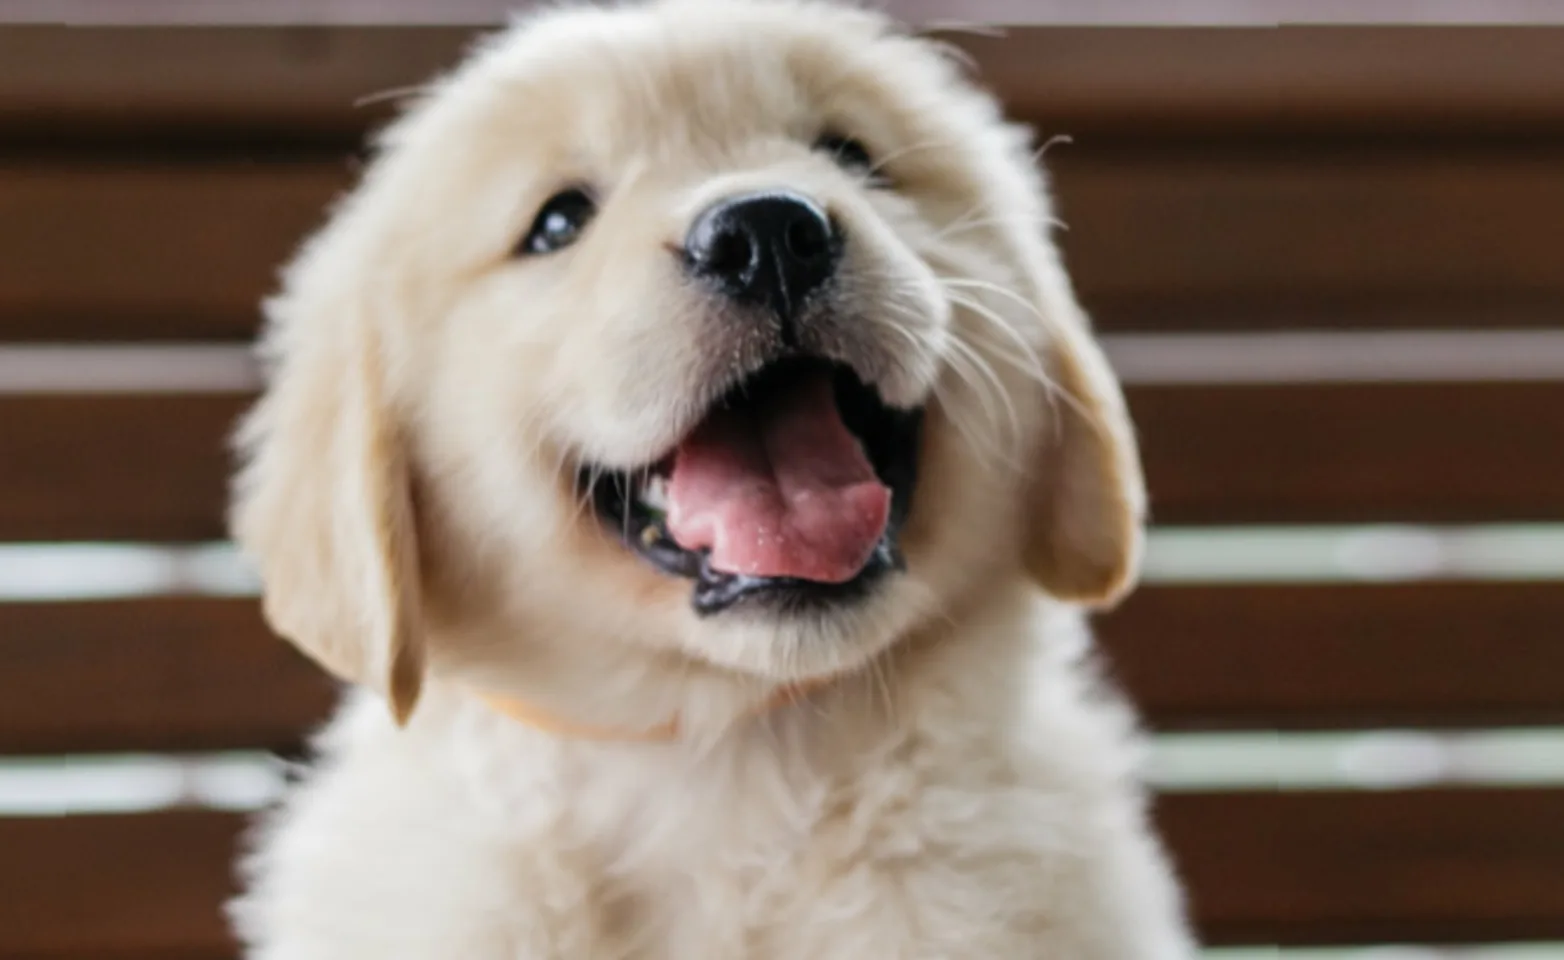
<point x="541" y="719"/>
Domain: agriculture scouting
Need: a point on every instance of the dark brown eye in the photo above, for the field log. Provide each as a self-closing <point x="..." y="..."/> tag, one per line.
<point x="850" y="154"/>
<point x="559" y="223"/>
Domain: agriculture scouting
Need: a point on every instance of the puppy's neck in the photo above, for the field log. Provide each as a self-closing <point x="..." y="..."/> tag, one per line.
<point x="595" y="692"/>
<point x="540" y="718"/>
<point x="652" y="699"/>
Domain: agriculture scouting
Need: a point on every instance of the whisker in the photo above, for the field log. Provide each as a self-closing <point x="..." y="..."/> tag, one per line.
<point x="1012" y="416"/>
<point x="977" y="377"/>
<point x="984" y="312"/>
<point x="1035" y="368"/>
<point x="1053" y="141"/>
<point x="970" y="222"/>
<point x="963" y="26"/>
<point x="391" y="93"/>
<point x="586" y="500"/>
<point x="972" y="283"/>
<point x="624" y="515"/>
<point x="963" y="428"/>
<point x="879" y="165"/>
<point x="1053" y="391"/>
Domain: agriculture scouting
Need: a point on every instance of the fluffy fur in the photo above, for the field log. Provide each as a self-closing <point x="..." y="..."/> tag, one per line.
<point x="960" y="788"/>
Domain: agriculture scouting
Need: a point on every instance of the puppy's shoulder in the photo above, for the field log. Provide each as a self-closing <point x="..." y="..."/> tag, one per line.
<point x="382" y="850"/>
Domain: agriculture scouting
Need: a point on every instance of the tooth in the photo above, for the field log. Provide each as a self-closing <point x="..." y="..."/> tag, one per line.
<point x="654" y="493"/>
<point x="650" y="534"/>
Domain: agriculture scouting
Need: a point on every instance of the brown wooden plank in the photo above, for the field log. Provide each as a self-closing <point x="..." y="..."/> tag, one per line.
<point x="154" y="467"/>
<point x="192" y="83"/>
<point x="175" y="250"/>
<point x="1308" y="868"/>
<point x="1156" y="238"/>
<point x="114" y="467"/>
<point x="1420" y="866"/>
<point x="295" y="82"/>
<point x="152" y="674"/>
<point x="1304" y="81"/>
<point x="1355" y="452"/>
<point x="1160" y="239"/>
<point x="1318" y="656"/>
<point x="194" y="673"/>
<point x="116" y="887"/>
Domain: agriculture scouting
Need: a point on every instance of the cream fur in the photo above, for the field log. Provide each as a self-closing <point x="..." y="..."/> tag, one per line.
<point x="963" y="788"/>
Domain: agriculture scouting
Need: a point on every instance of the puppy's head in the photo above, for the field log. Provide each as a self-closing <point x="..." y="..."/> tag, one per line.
<point x="694" y="339"/>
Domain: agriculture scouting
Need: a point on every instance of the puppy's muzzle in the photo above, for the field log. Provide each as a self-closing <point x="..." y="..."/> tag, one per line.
<point x="770" y="251"/>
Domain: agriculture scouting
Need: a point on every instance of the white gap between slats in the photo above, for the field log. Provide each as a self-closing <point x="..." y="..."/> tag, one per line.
<point x="1316" y="554"/>
<point x="1452" y="356"/>
<point x="1184" y="763"/>
<point x="928" y="12"/>
<point x="163" y="369"/>
<point x="1140" y="359"/>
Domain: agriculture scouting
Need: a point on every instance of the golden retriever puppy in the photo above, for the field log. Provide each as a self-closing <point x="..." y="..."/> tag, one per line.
<point x="687" y="438"/>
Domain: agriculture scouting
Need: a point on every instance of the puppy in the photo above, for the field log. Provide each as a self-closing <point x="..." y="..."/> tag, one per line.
<point x="687" y="439"/>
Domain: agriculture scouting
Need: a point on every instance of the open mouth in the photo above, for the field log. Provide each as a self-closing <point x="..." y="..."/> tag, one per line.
<point x="790" y="492"/>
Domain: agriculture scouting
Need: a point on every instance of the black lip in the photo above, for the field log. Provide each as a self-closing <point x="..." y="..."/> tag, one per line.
<point x="890" y="438"/>
<point x="716" y="591"/>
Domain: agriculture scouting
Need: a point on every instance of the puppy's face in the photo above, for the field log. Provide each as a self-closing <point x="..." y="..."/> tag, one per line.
<point x="717" y="333"/>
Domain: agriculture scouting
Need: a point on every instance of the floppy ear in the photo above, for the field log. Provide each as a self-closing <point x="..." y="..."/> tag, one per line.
<point x="1089" y="501"/>
<point x="322" y="503"/>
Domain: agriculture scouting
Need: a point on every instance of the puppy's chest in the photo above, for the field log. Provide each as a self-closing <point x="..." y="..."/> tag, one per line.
<point x="757" y="863"/>
<point x="722" y="879"/>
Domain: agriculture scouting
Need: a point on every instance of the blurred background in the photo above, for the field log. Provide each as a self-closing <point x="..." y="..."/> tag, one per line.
<point x="1327" y="261"/>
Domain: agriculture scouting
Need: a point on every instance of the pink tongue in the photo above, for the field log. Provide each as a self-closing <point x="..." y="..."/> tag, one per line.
<point x="779" y="491"/>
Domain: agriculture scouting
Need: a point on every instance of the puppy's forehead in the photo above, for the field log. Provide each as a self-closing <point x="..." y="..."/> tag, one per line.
<point x="687" y="73"/>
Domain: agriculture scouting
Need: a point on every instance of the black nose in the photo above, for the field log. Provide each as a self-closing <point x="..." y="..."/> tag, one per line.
<point x="772" y="250"/>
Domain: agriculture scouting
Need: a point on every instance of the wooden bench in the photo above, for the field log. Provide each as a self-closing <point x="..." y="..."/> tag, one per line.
<point x="1219" y="182"/>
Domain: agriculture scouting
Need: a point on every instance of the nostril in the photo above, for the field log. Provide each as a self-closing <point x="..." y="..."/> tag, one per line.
<point x="731" y="253"/>
<point x="807" y="239"/>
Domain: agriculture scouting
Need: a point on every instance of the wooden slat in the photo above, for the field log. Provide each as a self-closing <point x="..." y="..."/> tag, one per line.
<point x="152" y="674"/>
<point x="173" y="250"/>
<point x="1318" y="656"/>
<point x="191" y="83"/>
<point x="116" y="887"/>
<point x="154" y="467"/>
<point x="1157" y="237"/>
<point x="1310" y="868"/>
<point x="1161" y="239"/>
<point x="1357" y="452"/>
<point x="1402" y="867"/>
<point x="188" y="673"/>
<point x="1299" y="82"/>
<point x="114" y="467"/>
<point x="302" y="82"/>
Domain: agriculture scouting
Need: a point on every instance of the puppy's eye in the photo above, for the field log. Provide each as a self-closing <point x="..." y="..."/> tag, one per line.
<point x="850" y="154"/>
<point x="559" y="223"/>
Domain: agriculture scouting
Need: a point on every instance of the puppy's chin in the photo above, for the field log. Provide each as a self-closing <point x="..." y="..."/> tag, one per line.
<point x="829" y="641"/>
